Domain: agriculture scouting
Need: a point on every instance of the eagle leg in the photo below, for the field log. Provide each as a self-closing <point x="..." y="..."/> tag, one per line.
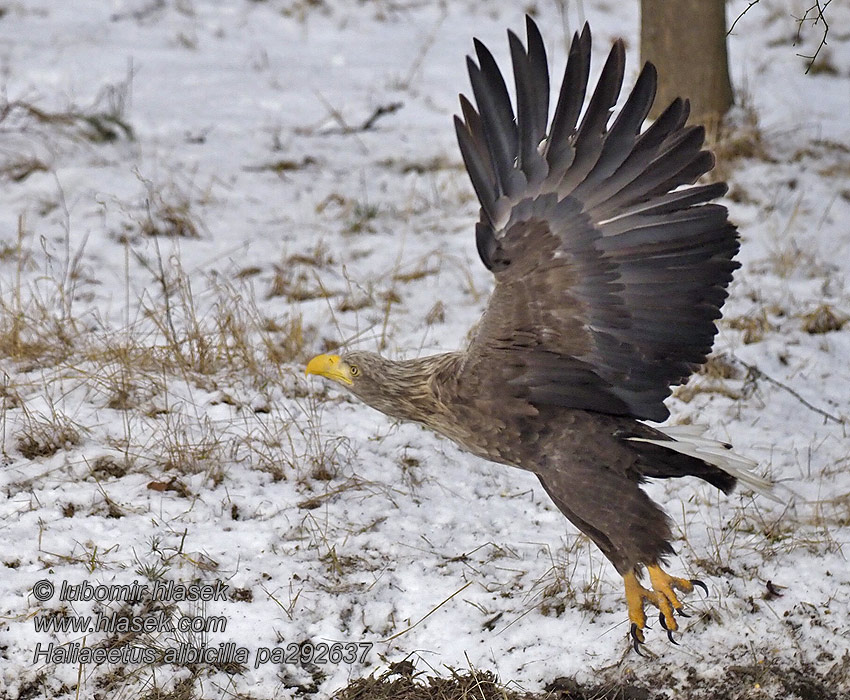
<point x="662" y="596"/>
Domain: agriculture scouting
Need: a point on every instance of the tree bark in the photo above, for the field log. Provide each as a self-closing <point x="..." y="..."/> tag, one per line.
<point x="686" y="40"/>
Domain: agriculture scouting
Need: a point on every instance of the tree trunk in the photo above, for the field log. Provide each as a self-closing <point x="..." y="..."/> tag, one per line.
<point x="686" y="40"/>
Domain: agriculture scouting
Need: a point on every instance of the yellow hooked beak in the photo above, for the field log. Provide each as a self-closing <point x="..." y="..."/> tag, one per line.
<point x="330" y="366"/>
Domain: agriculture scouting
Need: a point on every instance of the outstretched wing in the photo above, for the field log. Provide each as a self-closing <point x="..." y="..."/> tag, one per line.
<point x="609" y="273"/>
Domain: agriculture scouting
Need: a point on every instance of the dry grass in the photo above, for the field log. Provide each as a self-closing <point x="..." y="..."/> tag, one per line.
<point x="720" y="366"/>
<point x="402" y="682"/>
<point x="147" y="373"/>
<point x="420" y="167"/>
<point x="754" y="326"/>
<point x="824" y="319"/>
<point x="567" y="583"/>
<point x="298" y="277"/>
<point x="282" y="166"/>
<point x="436" y="314"/>
<point x="30" y="130"/>
<point x="169" y="210"/>
<point x="738" y="136"/>
<point x="44" y="436"/>
<point x="297" y="285"/>
<point x="20" y="166"/>
<point x="94" y="124"/>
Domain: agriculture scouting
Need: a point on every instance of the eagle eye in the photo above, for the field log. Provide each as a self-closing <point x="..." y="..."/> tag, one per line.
<point x="355" y="370"/>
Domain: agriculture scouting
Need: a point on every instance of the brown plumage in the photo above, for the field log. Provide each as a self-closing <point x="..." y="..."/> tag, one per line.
<point x="609" y="275"/>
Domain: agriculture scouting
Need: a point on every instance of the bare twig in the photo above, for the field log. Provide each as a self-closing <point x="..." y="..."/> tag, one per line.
<point x="430" y="612"/>
<point x="756" y="373"/>
<point x="380" y="111"/>
<point x="423" y="51"/>
<point x="740" y="16"/>
<point x="814" y="14"/>
<point x="345" y="128"/>
<point x="818" y="10"/>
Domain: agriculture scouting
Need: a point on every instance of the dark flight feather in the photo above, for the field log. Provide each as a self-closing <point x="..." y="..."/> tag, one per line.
<point x="611" y="266"/>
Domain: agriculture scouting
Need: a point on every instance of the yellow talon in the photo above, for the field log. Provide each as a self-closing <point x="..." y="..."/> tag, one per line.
<point x="635" y="595"/>
<point x="662" y="596"/>
<point x="663" y="584"/>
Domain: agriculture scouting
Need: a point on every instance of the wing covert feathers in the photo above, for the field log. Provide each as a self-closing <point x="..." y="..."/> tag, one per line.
<point x="610" y="267"/>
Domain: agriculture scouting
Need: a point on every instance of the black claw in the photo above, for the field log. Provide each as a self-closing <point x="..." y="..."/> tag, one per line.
<point x="697" y="582"/>
<point x="667" y="629"/>
<point x="636" y="642"/>
<point x="682" y="613"/>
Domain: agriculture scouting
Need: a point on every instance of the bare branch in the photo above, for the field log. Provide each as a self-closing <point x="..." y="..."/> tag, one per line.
<point x="746" y="10"/>
<point x="814" y="14"/>
<point x="755" y="373"/>
<point x="817" y="10"/>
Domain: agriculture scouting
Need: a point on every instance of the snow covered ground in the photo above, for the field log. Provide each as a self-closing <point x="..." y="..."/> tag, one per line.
<point x="190" y="208"/>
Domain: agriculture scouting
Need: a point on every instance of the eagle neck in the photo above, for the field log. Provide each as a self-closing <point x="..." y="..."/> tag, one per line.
<point x="414" y="389"/>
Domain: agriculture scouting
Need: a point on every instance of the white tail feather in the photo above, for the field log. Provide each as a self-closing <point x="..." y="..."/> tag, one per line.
<point x="689" y="440"/>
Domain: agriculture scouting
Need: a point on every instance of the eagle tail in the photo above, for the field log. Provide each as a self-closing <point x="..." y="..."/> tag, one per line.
<point x="689" y="440"/>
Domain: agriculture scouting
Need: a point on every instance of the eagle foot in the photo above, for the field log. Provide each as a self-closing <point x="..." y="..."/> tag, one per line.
<point x="662" y="596"/>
